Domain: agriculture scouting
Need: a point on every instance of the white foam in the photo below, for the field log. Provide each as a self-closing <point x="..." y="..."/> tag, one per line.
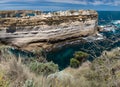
<point x="116" y="22"/>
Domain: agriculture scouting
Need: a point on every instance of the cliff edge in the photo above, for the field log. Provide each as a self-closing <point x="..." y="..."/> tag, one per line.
<point x="47" y="30"/>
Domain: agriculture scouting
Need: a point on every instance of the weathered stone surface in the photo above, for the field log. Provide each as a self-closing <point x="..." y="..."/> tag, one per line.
<point x="48" y="30"/>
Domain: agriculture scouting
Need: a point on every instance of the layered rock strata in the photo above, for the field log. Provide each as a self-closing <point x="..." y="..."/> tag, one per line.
<point x="47" y="30"/>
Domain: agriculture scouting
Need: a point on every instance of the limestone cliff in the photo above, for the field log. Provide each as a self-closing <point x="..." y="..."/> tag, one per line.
<point x="47" y="30"/>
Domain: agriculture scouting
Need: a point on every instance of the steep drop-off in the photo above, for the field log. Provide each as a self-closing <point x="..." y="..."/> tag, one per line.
<point x="48" y="30"/>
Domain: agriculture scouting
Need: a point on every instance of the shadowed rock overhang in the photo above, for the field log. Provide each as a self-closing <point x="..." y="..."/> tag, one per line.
<point x="46" y="30"/>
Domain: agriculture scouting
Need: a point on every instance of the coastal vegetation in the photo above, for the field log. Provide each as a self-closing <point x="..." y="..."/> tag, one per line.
<point x="79" y="58"/>
<point x="104" y="71"/>
<point x="43" y="68"/>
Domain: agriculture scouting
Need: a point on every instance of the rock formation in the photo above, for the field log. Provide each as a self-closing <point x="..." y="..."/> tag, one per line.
<point x="47" y="30"/>
<point x="18" y="13"/>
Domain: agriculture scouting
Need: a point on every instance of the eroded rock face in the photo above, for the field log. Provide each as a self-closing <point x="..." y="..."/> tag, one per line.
<point x="48" y="30"/>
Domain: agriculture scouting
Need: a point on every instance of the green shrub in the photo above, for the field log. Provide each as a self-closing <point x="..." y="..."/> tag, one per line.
<point x="43" y="68"/>
<point x="74" y="63"/>
<point x="29" y="83"/>
<point x="81" y="56"/>
<point x="3" y="81"/>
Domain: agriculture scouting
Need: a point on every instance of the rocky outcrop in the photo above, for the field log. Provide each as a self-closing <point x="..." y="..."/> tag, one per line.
<point x="18" y="13"/>
<point x="47" y="30"/>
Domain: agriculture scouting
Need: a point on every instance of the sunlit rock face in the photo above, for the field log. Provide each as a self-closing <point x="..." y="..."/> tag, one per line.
<point x="47" y="30"/>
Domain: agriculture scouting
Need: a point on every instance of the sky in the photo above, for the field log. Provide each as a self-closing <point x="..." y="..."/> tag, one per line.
<point x="53" y="5"/>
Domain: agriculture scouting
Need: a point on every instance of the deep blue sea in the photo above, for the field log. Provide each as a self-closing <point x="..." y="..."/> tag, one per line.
<point x="109" y="15"/>
<point x="63" y="55"/>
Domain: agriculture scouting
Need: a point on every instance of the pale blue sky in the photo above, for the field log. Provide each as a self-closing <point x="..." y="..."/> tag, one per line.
<point x="47" y="5"/>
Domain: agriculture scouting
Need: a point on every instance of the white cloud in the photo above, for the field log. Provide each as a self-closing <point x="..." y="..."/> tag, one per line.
<point x="28" y="7"/>
<point x="96" y="3"/>
<point x="7" y="1"/>
<point x="83" y="2"/>
<point x="88" y="2"/>
<point x="117" y="2"/>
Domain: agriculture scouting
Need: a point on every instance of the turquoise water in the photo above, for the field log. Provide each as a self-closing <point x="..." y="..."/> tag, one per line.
<point x="63" y="56"/>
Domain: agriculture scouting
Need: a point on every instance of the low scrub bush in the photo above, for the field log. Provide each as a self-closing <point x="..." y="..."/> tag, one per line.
<point x="43" y="68"/>
<point x="81" y="56"/>
<point x="74" y="63"/>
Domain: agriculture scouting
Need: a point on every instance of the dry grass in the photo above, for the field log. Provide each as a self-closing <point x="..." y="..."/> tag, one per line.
<point x="96" y="74"/>
<point x="16" y="71"/>
<point x="18" y="74"/>
<point x="70" y="77"/>
<point x="87" y="75"/>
